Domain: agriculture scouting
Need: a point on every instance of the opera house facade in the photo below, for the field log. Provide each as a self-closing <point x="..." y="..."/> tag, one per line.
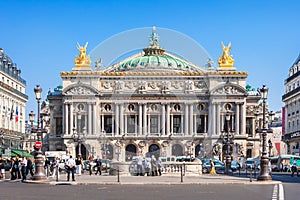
<point x="155" y="102"/>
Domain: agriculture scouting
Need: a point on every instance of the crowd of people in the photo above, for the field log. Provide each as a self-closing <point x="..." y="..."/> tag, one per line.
<point x="19" y="168"/>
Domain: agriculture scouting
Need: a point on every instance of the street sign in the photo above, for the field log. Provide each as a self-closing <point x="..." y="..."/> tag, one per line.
<point x="38" y="144"/>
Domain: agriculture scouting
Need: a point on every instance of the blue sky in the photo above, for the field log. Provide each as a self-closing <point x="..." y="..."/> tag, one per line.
<point x="41" y="36"/>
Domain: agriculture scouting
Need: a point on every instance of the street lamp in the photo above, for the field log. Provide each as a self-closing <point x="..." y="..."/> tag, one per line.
<point x="38" y="158"/>
<point x="228" y="147"/>
<point x="264" y="161"/>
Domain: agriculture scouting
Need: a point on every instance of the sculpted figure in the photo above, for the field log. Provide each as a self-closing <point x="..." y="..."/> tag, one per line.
<point x="226" y="58"/>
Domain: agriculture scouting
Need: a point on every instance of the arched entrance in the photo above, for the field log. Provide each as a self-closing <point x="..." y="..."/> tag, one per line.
<point x="130" y="152"/>
<point x="154" y="150"/>
<point x="177" y="150"/>
<point x="83" y="151"/>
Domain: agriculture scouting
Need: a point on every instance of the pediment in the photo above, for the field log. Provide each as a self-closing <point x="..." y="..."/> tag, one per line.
<point x="229" y="89"/>
<point x="80" y="89"/>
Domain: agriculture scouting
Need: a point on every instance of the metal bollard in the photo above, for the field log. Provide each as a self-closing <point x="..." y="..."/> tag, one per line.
<point x="181" y="174"/>
<point x="56" y="173"/>
<point x="250" y="174"/>
<point x="118" y="174"/>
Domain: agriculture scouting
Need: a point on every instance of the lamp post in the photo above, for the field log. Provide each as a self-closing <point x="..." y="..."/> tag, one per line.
<point x="264" y="161"/>
<point x="228" y="146"/>
<point x="38" y="158"/>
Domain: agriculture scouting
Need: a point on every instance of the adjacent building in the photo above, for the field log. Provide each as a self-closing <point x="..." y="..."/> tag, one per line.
<point x="154" y="102"/>
<point x="290" y="111"/>
<point x="12" y="105"/>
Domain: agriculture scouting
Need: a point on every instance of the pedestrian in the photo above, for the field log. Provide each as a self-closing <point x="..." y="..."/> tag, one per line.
<point x="139" y="166"/>
<point x="159" y="166"/>
<point x="16" y="168"/>
<point x="147" y="165"/>
<point x="281" y="166"/>
<point x="2" y="169"/>
<point x="29" y="167"/>
<point x="70" y="168"/>
<point x="212" y="167"/>
<point x="98" y="166"/>
<point x="294" y="168"/>
<point x="91" y="164"/>
<point x="54" y="167"/>
<point x="153" y="166"/>
<point x="78" y="165"/>
<point x="47" y="166"/>
<point x="23" y="168"/>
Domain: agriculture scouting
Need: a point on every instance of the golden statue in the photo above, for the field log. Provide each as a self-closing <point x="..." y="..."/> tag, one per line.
<point x="226" y="59"/>
<point x="82" y="60"/>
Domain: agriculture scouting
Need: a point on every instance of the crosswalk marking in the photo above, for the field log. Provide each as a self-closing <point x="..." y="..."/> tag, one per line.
<point x="278" y="194"/>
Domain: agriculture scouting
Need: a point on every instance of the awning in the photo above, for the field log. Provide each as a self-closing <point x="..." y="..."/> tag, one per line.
<point x="21" y="153"/>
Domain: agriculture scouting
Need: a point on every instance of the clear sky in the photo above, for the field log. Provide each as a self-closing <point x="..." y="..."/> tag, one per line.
<point x="41" y="36"/>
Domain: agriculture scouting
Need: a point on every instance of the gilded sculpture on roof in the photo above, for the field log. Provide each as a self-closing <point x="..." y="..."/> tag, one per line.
<point x="226" y="59"/>
<point x="82" y="60"/>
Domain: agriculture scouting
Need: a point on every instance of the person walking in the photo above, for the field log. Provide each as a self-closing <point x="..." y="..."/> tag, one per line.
<point x="159" y="166"/>
<point x="70" y="168"/>
<point x="98" y="166"/>
<point x="90" y="163"/>
<point x="29" y="168"/>
<point x="47" y="166"/>
<point x="78" y="165"/>
<point x="16" y="168"/>
<point x="54" y="166"/>
<point x="153" y="166"/>
<point x="23" y="168"/>
<point x="212" y="167"/>
<point x="139" y="166"/>
<point x="2" y="169"/>
<point x="294" y="168"/>
<point x="147" y="165"/>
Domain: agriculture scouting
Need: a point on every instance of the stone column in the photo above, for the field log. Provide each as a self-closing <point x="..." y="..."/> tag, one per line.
<point x="181" y="123"/>
<point x="191" y="121"/>
<point x="66" y="119"/>
<point x="168" y="120"/>
<point x="71" y="117"/>
<point x="213" y="119"/>
<point x="172" y="123"/>
<point x="140" y="127"/>
<point x="89" y="119"/>
<point x="163" y="119"/>
<point x="94" y="119"/>
<point x="205" y="123"/>
<point x="218" y="119"/>
<point x="243" y="118"/>
<point x="117" y="118"/>
<point x="121" y="119"/>
<point x="237" y="120"/>
<point x="125" y="123"/>
<point x="144" y="119"/>
<point x="186" y="118"/>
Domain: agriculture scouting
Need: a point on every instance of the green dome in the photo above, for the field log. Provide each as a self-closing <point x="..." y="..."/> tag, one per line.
<point x="154" y="61"/>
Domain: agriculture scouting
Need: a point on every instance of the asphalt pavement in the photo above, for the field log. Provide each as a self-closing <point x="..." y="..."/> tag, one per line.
<point x="166" y="179"/>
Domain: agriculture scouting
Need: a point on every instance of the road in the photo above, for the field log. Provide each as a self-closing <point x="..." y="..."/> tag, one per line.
<point x="288" y="190"/>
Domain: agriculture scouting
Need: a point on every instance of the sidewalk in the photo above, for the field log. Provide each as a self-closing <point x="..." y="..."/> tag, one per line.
<point x="154" y="180"/>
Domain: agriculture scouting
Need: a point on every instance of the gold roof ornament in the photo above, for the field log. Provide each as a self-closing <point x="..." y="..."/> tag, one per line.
<point x="82" y="60"/>
<point x="226" y="60"/>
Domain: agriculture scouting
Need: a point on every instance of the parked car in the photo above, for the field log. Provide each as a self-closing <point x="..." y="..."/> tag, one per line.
<point x="235" y="165"/>
<point x="253" y="163"/>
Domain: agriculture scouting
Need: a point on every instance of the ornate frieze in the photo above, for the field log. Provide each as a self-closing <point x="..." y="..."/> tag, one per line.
<point x="79" y="91"/>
